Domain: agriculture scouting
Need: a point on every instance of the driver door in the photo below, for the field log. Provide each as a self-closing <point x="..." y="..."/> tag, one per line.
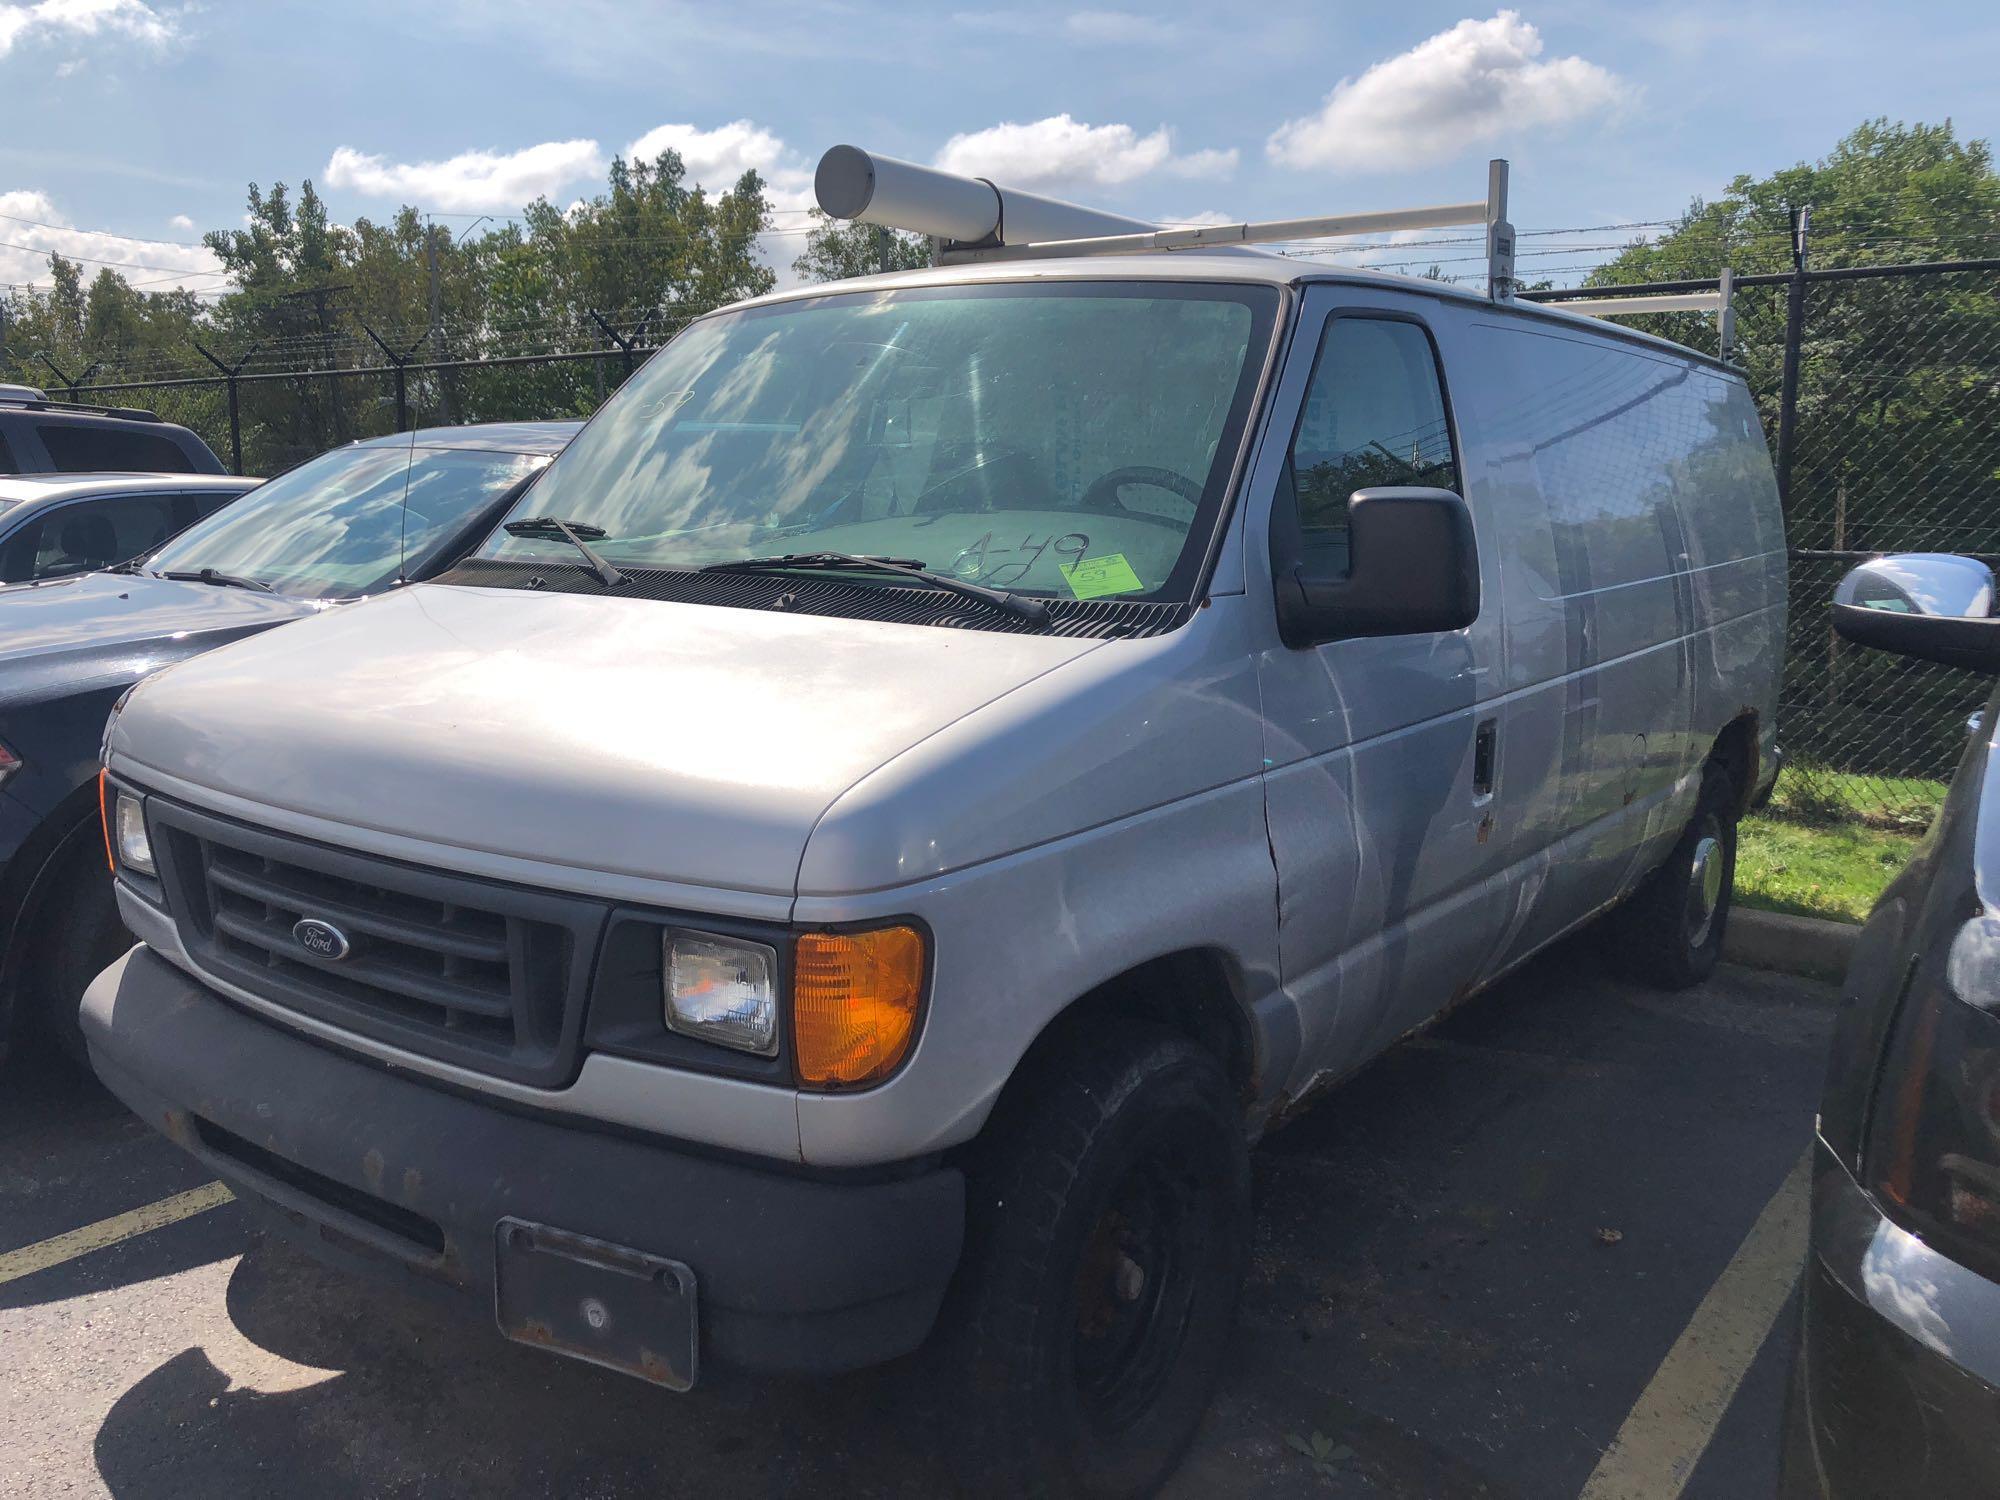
<point x="1386" y="755"/>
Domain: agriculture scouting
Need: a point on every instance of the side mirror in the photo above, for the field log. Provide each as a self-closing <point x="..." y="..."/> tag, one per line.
<point x="1413" y="568"/>
<point x="1933" y="606"/>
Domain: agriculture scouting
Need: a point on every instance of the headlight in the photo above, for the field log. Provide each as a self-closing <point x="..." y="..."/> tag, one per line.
<point x="1973" y="967"/>
<point x="722" y="990"/>
<point x="135" y="850"/>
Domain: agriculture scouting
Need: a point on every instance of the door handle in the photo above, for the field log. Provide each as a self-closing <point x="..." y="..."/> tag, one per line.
<point x="1483" y="745"/>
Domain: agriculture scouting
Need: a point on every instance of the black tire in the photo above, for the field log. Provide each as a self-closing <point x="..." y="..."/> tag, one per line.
<point x="1670" y="933"/>
<point x="78" y="932"/>
<point x="1108" y="1231"/>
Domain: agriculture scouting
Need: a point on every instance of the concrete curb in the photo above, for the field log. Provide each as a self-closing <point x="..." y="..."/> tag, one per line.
<point x="1809" y="946"/>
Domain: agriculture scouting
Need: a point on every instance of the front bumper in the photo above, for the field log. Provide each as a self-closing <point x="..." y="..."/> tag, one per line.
<point x="1896" y="1386"/>
<point x="373" y="1169"/>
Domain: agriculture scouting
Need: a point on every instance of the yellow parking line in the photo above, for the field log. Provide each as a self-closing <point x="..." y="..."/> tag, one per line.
<point x="1669" y="1427"/>
<point x="53" y="1252"/>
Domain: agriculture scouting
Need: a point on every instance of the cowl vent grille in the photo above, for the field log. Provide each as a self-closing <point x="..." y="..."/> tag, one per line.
<point x="854" y="598"/>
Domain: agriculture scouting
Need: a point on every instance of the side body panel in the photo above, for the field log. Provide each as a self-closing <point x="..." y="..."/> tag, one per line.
<point x="1632" y="580"/>
<point x="1736" y="568"/>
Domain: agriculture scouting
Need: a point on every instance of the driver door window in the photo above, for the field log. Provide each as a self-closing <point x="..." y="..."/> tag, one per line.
<point x="1374" y="415"/>
<point x="86" y="535"/>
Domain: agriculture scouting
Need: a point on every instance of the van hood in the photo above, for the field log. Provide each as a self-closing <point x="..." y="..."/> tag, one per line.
<point x="688" y="743"/>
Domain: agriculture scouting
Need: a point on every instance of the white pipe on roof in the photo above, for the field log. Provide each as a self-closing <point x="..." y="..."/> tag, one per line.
<point x="859" y="185"/>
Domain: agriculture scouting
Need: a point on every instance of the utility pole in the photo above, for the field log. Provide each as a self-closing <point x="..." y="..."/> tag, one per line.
<point x="1795" y="327"/>
<point x="882" y="243"/>
<point x="431" y="233"/>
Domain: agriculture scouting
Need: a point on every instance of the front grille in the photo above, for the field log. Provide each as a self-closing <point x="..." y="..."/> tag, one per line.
<point x="486" y="975"/>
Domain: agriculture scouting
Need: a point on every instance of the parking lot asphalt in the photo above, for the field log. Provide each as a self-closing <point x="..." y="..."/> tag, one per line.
<point x="1562" y="1222"/>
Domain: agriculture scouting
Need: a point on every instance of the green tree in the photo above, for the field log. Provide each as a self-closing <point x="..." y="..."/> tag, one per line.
<point x="837" y="249"/>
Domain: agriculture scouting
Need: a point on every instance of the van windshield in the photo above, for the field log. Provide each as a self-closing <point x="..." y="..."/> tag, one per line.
<point x="1069" y="439"/>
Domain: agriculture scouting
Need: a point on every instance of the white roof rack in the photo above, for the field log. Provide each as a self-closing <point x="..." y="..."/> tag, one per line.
<point x="1721" y="302"/>
<point x="971" y="219"/>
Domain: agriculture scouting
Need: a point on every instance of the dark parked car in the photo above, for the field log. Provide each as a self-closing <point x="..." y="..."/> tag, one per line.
<point x="347" y="524"/>
<point x="40" y="436"/>
<point x="1896" y="1384"/>
<point x="53" y="525"/>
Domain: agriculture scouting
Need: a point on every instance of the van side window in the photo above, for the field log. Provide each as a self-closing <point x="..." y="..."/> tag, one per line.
<point x="1374" y="415"/>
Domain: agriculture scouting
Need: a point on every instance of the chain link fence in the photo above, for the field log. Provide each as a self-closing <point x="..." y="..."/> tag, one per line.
<point x="1895" y="448"/>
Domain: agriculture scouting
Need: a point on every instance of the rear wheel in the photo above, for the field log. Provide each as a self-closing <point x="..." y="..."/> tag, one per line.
<point x="1670" y="933"/>
<point x="1109" y="1230"/>
<point x="78" y="934"/>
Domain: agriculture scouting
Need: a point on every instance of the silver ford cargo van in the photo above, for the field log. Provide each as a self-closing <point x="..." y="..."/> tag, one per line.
<point x="937" y="766"/>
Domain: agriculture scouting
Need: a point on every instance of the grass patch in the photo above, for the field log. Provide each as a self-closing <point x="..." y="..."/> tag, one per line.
<point x="1816" y="869"/>
<point x="1906" y="804"/>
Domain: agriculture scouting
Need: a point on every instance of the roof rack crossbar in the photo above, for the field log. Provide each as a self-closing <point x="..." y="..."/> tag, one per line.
<point x="1207" y="236"/>
<point x="1721" y="302"/>
<point x="973" y="220"/>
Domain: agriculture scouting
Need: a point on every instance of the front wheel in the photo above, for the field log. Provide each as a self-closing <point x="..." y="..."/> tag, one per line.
<point x="1669" y="934"/>
<point x="1109" y="1231"/>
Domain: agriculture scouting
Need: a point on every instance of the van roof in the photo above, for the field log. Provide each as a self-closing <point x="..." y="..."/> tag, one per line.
<point x="1244" y="265"/>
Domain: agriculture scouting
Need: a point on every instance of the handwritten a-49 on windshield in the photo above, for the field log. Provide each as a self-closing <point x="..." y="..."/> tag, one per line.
<point x="990" y="561"/>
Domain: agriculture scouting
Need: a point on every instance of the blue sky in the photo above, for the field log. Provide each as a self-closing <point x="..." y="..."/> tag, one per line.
<point x="134" y="125"/>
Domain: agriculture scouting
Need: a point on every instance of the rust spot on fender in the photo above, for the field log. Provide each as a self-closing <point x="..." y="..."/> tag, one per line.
<point x="535" y="1331"/>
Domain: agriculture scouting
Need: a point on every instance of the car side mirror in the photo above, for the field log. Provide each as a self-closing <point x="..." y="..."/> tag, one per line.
<point x="1413" y="568"/>
<point x="1932" y="606"/>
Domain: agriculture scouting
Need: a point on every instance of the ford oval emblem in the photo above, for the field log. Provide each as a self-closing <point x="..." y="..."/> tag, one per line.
<point x="320" y="939"/>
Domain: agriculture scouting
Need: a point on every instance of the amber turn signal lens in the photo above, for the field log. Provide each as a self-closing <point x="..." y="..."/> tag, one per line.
<point x="854" y="1004"/>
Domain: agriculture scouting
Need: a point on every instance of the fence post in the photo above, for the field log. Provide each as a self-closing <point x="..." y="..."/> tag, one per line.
<point x="396" y="363"/>
<point x="624" y="344"/>
<point x="229" y="374"/>
<point x="55" y="369"/>
<point x="1795" y="327"/>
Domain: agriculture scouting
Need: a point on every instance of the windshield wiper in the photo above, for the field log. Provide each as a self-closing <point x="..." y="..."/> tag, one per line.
<point x="1021" y="607"/>
<point x="226" y="580"/>
<point x="573" y="532"/>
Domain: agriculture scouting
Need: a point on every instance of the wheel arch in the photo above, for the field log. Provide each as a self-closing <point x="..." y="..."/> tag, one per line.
<point x="1736" y="748"/>
<point x="25" y="887"/>
<point x="1197" y="992"/>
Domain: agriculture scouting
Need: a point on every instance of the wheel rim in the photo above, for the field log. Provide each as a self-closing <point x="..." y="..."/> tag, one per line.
<point x="1704" y="893"/>
<point x="1136" y="1285"/>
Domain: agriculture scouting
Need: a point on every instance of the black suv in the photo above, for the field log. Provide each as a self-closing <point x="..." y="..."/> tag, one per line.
<point x="55" y="437"/>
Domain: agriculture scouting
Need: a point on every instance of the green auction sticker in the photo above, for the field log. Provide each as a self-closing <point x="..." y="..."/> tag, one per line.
<point x="1094" y="577"/>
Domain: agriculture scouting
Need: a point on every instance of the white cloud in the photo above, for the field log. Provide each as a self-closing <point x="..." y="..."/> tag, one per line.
<point x="71" y="68"/>
<point x="1471" y="83"/>
<point x="716" y="158"/>
<point x="180" y="221"/>
<point x="155" y="265"/>
<point x="1060" y="152"/>
<point x="472" y="181"/>
<point x="131" y="19"/>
